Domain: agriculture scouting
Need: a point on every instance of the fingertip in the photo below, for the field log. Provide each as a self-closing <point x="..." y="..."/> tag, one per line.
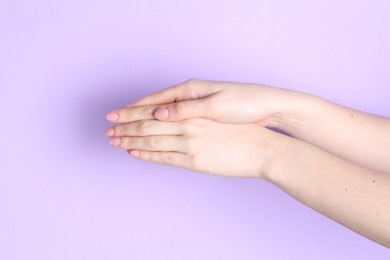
<point x="112" y="116"/>
<point x="109" y="132"/>
<point x="134" y="153"/>
<point x="115" y="141"/>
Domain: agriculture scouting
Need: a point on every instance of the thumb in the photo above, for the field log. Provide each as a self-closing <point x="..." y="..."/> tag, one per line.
<point x="181" y="110"/>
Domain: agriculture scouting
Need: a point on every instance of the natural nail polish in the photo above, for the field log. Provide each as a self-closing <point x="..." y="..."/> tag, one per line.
<point x="135" y="153"/>
<point x="112" y="116"/>
<point x="162" y="113"/>
<point x="115" y="141"/>
<point x="109" y="132"/>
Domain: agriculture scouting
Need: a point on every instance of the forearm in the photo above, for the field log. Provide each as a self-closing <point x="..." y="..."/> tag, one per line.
<point x="356" y="136"/>
<point x="353" y="196"/>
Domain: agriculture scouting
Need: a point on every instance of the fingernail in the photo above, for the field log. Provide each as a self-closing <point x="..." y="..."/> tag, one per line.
<point x="135" y="153"/>
<point x="162" y="113"/>
<point x="115" y="141"/>
<point x="109" y="132"/>
<point x="112" y="116"/>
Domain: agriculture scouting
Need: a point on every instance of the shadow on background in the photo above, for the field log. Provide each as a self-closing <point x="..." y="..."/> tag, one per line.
<point x="94" y="102"/>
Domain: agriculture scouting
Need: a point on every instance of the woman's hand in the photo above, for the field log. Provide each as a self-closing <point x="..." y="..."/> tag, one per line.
<point x="317" y="170"/>
<point x="198" y="144"/>
<point x="303" y="116"/>
<point x="228" y="102"/>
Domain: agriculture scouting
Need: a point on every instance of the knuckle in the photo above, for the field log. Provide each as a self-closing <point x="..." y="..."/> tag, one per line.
<point x="126" y="142"/>
<point x="196" y="161"/>
<point x="148" y="112"/>
<point x="150" y="141"/>
<point x="191" y="87"/>
<point x="166" y="158"/>
<point x="119" y="131"/>
<point x="146" y="156"/>
<point x="123" y="130"/>
<point x="143" y="127"/>
<point x="180" y="109"/>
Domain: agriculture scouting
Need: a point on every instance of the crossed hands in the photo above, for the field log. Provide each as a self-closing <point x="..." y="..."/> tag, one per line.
<point x="207" y="126"/>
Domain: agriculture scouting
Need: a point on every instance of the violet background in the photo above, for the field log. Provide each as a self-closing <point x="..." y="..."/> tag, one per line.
<point x="66" y="194"/>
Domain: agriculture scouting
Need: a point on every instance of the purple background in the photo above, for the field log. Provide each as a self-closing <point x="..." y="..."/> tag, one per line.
<point x="66" y="194"/>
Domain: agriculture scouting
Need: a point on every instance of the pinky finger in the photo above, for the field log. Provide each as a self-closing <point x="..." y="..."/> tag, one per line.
<point x="169" y="158"/>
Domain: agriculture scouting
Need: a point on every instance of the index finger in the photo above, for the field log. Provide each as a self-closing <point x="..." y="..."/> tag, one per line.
<point x="187" y="90"/>
<point x="132" y="114"/>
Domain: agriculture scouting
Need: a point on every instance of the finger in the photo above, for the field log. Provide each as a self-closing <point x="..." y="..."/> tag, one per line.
<point x="167" y="158"/>
<point x="150" y="143"/>
<point x="184" y="110"/>
<point x="145" y="128"/>
<point x="190" y="89"/>
<point x="132" y="114"/>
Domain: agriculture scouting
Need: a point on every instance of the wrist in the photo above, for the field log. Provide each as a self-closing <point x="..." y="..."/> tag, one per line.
<point x="281" y="154"/>
<point x="294" y="111"/>
<point x="273" y="147"/>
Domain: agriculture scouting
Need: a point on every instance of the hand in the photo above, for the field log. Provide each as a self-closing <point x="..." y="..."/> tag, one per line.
<point x="198" y="144"/>
<point x="227" y="102"/>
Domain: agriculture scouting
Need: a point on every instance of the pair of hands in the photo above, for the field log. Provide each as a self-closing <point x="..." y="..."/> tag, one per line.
<point x="220" y="128"/>
<point x="207" y="126"/>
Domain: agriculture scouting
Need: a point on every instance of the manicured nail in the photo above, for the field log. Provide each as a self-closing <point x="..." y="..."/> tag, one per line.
<point x="112" y="116"/>
<point x="115" y="141"/>
<point x="109" y="132"/>
<point x="135" y="153"/>
<point x="162" y="113"/>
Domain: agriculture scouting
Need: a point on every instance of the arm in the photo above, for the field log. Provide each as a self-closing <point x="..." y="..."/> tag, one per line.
<point x="353" y="196"/>
<point x="356" y="136"/>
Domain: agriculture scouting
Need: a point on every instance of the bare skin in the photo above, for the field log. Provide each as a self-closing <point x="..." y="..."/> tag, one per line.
<point x="191" y="143"/>
<point x="356" y="136"/>
<point x="218" y="128"/>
